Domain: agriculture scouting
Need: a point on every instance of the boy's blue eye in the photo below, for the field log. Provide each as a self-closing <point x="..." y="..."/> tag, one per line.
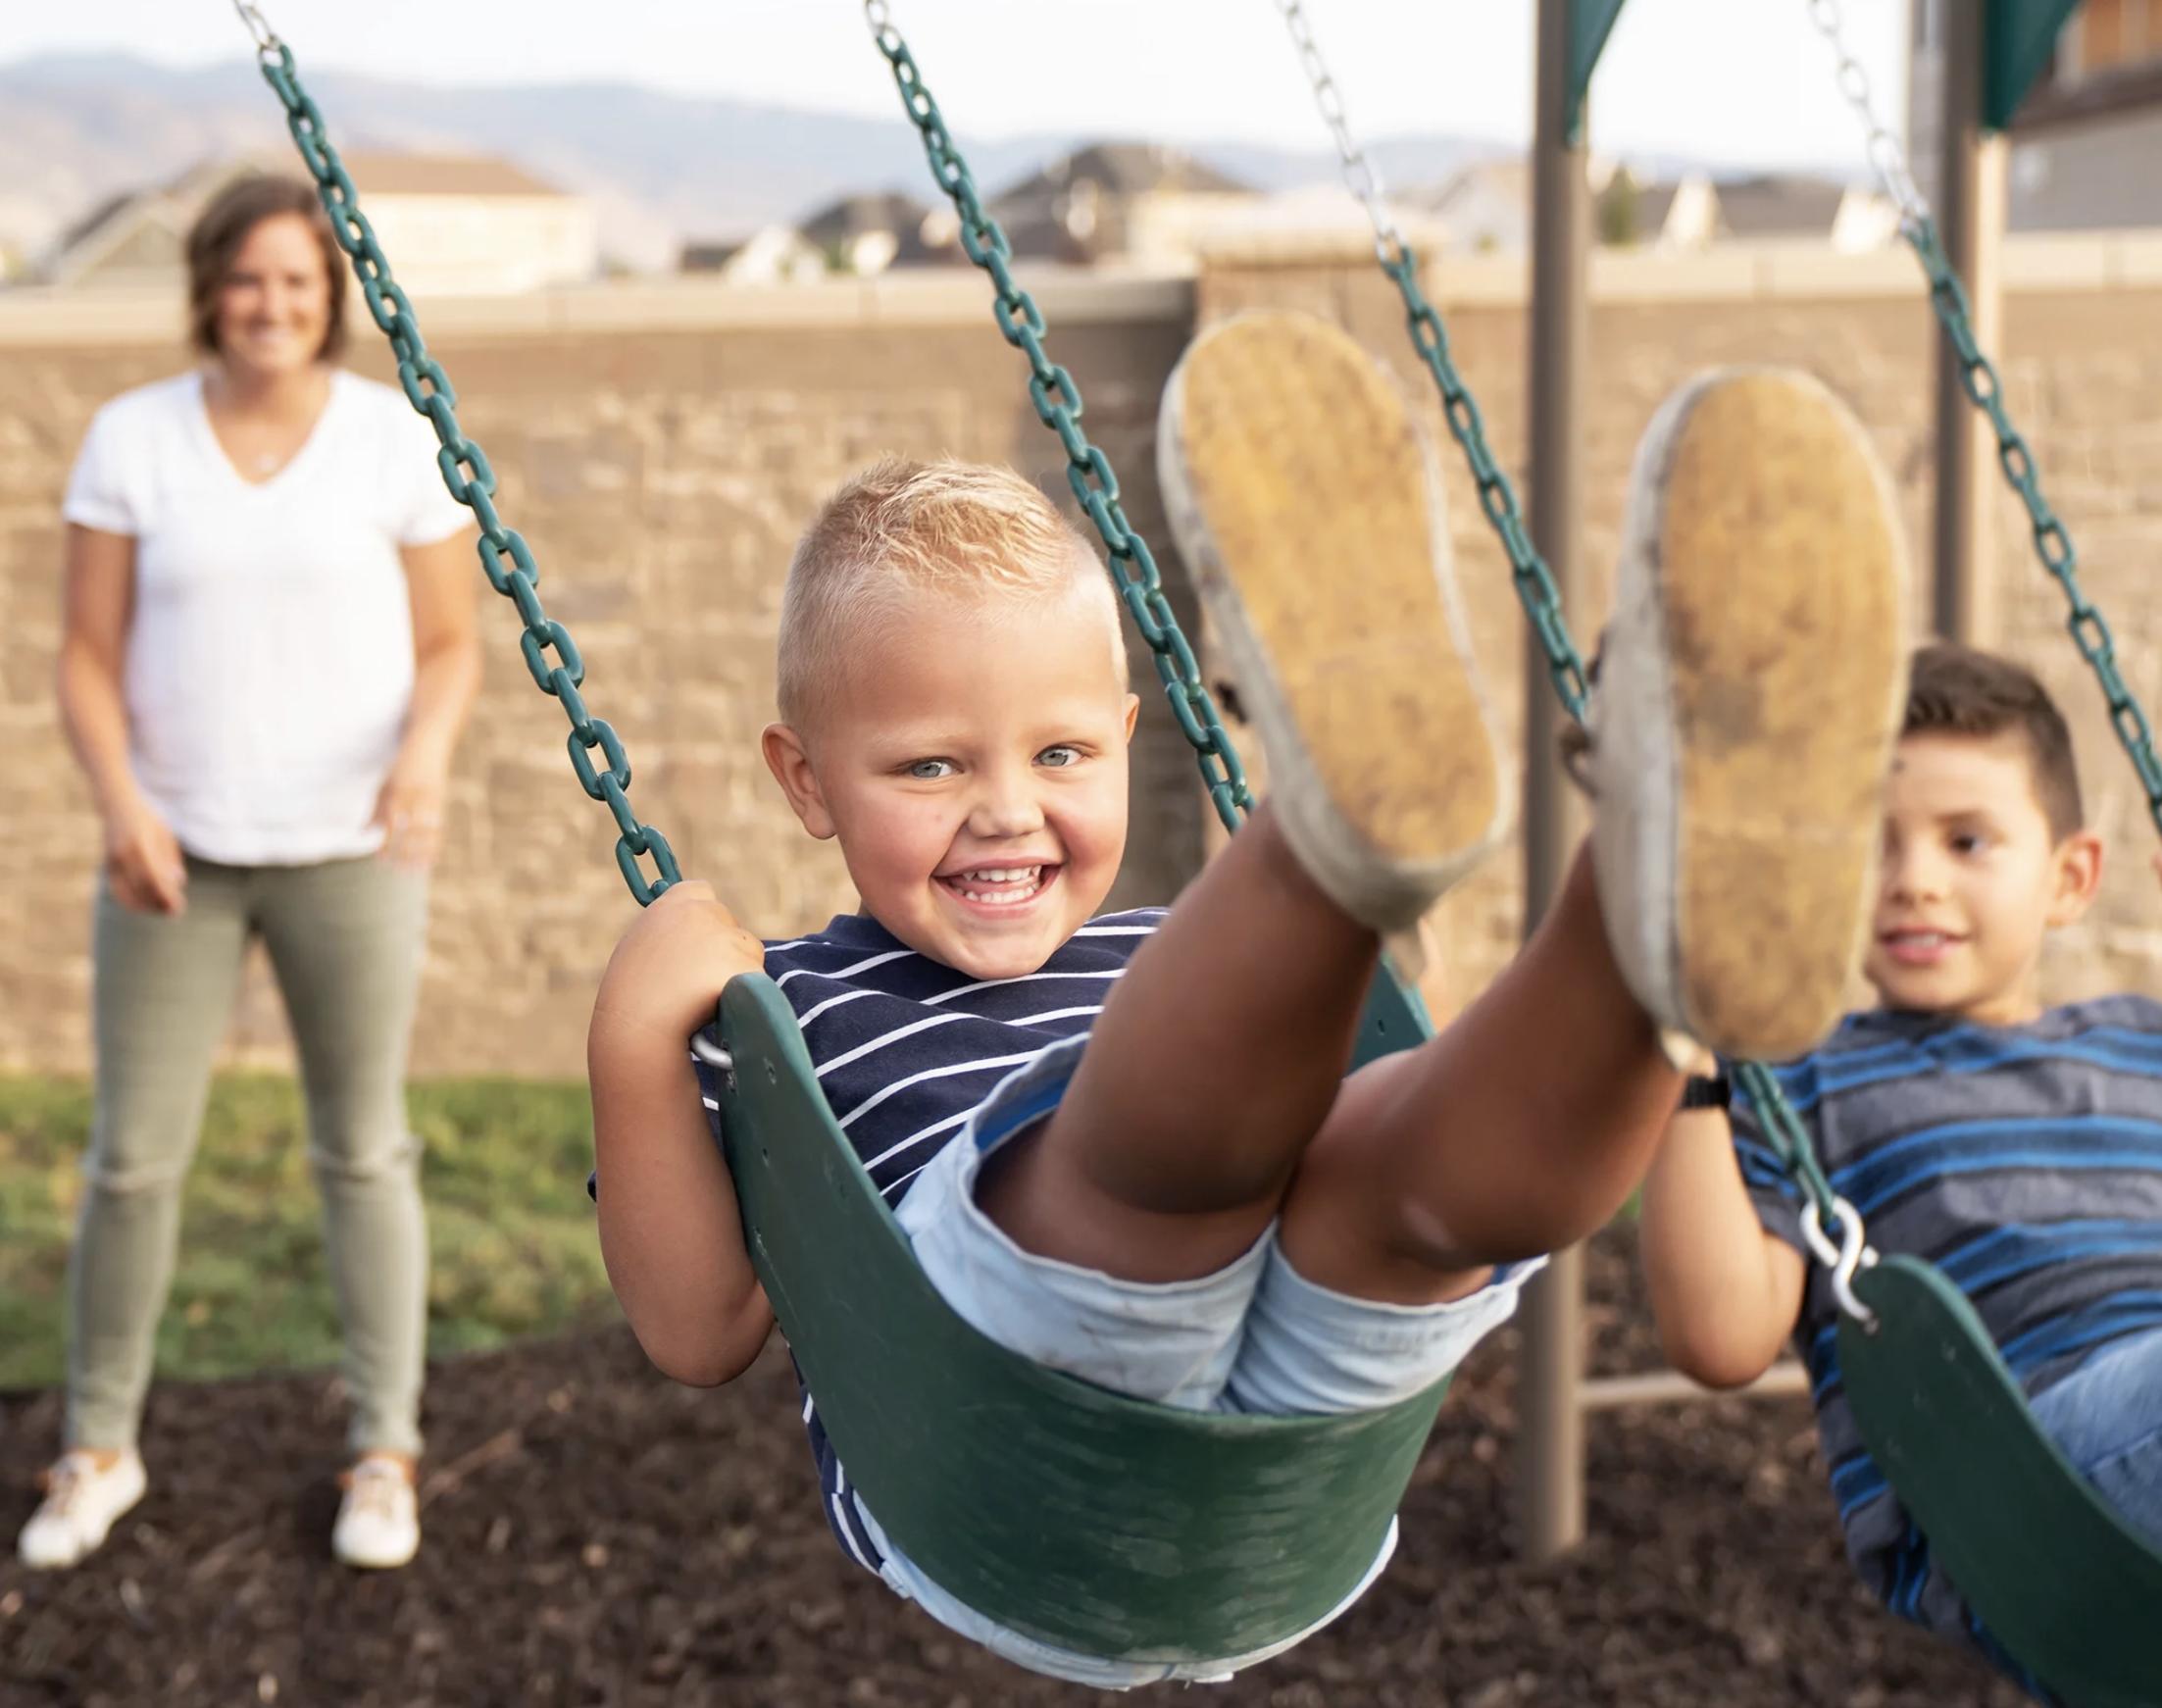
<point x="1059" y="757"/>
<point x="931" y="770"/>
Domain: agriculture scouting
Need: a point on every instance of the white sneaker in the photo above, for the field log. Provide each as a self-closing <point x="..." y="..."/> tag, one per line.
<point x="83" y="1500"/>
<point x="1750" y="690"/>
<point x="1308" y="508"/>
<point x="379" y="1521"/>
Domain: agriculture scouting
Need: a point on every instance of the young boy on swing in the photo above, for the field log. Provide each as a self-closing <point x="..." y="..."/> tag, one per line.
<point x="1128" y="1147"/>
<point x="2018" y="1147"/>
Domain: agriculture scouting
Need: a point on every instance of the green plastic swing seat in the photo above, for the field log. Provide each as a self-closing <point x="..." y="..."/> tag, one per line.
<point x="1073" y="1515"/>
<point x="2058" y="1578"/>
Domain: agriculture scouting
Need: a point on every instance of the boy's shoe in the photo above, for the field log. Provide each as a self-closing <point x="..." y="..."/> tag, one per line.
<point x="1751" y="688"/>
<point x="83" y="1498"/>
<point x="1309" y="511"/>
<point x="379" y="1520"/>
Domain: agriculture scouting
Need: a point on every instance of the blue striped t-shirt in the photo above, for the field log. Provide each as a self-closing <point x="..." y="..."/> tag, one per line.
<point x="905" y="1049"/>
<point x="2026" y="1163"/>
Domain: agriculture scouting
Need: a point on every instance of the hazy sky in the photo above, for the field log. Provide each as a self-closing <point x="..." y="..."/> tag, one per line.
<point x="1740" y="80"/>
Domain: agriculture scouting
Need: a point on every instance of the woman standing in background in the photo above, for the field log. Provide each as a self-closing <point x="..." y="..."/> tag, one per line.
<point x="267" y="657"/>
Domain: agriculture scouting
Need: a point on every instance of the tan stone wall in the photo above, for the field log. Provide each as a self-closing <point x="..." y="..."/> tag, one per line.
<point x="661" y="472"/>
<point x="660" y="446"/>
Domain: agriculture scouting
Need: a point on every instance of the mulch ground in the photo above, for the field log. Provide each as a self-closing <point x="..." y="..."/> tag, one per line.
<point x="598" y="1535"/>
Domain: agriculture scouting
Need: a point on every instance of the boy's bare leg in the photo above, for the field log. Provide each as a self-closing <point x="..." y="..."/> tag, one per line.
<point x="1521" y="1129"/>
<point x="1217" y="1060"/>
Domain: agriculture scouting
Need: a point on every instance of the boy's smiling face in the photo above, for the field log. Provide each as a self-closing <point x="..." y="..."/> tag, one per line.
<point x="971" y="760"/>
<point x="1974" y="878"/>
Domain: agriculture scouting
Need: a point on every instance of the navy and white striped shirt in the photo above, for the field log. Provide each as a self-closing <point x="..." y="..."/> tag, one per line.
<point x="2026" y="1163"/>
<point x="906" y="1048"/>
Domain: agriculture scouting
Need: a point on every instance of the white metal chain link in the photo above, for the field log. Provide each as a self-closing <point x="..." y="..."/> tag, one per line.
<point x="258" y="26"/>
<point x="1887" y="157"/>
<point x="1359" y="173"/>
<point x="1846" y="1260"/>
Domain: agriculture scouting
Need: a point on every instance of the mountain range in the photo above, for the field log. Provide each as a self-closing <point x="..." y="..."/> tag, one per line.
<point x="660" y="168"/>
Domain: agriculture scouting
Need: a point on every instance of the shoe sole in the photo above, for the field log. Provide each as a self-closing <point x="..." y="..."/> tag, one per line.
<point x="1780" y="582"/>
<point x="1310" y="515"/>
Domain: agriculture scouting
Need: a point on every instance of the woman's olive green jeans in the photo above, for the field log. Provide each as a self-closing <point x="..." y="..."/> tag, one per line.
<point x="345" y="940"/>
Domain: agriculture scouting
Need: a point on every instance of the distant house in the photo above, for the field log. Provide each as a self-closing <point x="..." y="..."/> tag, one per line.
<point x="773" y="255"/>
<point x="1308" y="215"/>
<point x="2086" y="140"/>
<point x="1482" y="207"/>
<point x="1794" y="207"/>
<point x="866" y="234"/>
<point x="1129" y="202"/>
<point x="450" y="224"/>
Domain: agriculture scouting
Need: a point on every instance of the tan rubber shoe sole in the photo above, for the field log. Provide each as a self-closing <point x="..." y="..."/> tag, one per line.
<point x="1308" y="510"/>
<point x="1770" y="579"/>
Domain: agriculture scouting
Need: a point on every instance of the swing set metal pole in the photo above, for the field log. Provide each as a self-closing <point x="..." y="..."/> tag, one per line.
<point x="1550" y="1470"/>
<point x="1971" y="211"/>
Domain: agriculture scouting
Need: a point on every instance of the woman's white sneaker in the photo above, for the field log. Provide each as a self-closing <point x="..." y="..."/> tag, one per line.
<point x="84" y="1496"/>
<point x="379" y="1522"/>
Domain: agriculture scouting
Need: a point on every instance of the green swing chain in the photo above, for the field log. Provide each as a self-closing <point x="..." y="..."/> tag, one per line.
<point x="505" y="558"/>
<point x="1058" y="405"/>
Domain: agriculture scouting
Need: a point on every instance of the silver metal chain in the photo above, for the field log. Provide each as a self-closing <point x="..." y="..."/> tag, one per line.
<point x="1888" y="156"/>
<point x="1359" y="175"/>
<point x="258" y="26"/>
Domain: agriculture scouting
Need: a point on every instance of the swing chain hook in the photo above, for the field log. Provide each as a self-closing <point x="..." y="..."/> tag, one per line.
<point x="714" y="1056"/>
<point x="1359" y="175"/>
<point x="1845" y="1259"/>
<point x="267" y="46"/>
<point x="1886" y="157"/>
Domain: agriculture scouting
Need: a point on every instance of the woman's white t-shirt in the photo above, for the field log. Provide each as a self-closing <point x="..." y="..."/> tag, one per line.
<point x="269" y="664"/>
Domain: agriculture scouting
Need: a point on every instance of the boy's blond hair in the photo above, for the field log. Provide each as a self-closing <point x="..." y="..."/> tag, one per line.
<point x="903" y="528"/>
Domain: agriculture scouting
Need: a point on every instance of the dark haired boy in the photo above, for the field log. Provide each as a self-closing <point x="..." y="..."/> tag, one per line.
<point x="2018" y="1147"/>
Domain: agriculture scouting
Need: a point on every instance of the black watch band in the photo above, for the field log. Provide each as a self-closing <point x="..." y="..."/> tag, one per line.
<point x="1715" y="1093"/>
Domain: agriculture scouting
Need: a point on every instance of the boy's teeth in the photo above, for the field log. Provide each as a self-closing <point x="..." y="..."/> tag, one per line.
<point x="1000" y="884"/>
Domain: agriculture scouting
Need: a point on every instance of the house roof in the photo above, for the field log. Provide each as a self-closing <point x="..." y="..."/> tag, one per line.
<point x="1778" y="205"/>
<point x="858" y="216"/>
<point x="1508" y="179"/>
<point x="1128" y="169"/>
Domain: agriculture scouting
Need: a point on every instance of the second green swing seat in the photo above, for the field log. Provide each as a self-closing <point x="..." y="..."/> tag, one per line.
<point x="1076" y="1516"/>
<point x="2057" y="1577"/>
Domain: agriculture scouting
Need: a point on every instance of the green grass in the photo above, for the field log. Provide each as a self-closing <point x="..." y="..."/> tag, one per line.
<point x="510" y="1230"/>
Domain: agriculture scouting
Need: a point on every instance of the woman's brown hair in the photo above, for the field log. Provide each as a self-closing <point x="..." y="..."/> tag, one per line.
<point x="223" y="226"/>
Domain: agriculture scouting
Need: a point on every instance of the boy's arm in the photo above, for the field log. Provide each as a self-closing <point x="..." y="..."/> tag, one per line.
<point x="671" y="1231"/>
<point x="1726" y="1292"/>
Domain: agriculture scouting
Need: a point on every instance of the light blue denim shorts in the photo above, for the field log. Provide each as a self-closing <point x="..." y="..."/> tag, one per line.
<point x="1255" y="1336"/>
